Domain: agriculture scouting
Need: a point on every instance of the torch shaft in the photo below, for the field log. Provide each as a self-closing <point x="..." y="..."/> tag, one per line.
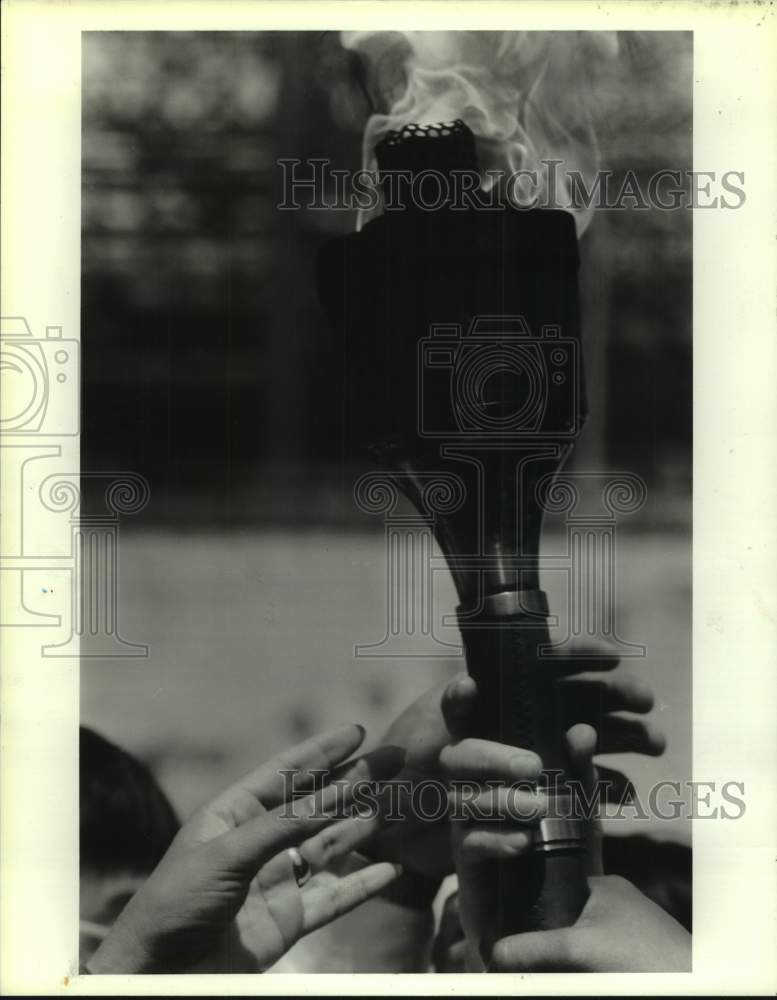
<point x="459" y="333"/>
<point x="518" y="704"/>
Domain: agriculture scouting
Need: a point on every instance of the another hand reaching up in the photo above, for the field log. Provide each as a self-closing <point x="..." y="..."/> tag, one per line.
<point x="246" y="876"/>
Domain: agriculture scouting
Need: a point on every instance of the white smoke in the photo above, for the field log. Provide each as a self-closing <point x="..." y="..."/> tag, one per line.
<point x="529" y="97"/>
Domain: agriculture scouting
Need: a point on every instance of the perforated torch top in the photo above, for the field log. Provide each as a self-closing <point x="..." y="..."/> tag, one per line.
<point x="444" y="147"/>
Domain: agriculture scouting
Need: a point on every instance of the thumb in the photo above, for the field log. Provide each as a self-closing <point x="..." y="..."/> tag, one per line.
<point x="536" y="951"/>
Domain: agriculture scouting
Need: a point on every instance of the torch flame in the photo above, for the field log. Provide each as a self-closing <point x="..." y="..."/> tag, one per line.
<point x="525" y="95"/>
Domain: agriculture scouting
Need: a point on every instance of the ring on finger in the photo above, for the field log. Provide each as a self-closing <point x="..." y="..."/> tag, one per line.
<point x="300" y="866"/>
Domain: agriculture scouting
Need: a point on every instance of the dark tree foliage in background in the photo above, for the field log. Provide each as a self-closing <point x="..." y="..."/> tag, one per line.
<point x="205" y="359"/>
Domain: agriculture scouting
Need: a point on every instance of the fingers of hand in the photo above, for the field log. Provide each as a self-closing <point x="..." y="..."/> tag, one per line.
<point x="299" y="768"/>
<point x="536" y="951"/>
<point x="600" y="693"/>
<point x="615" y="786"/>
<point x="630" y="693"/>
<point x="570" y="949"/>
<point x="337" y="840"/>
<point x="327" y="896"/>
<point x="497" y="804"/>
<point x="484" y="760"/>
<point x="377" y="765"/>
<point x="362" y="885"/>
<point x="495" y="822"/>
<point x="586" y="658"/>
<point x="253" y="843"/>
<point x="581" y="743"/>
<point x="624" y="733"/>
<point x="458" y="702"/>
<point x="480" y="843"/>
<point x="453" y="958"/>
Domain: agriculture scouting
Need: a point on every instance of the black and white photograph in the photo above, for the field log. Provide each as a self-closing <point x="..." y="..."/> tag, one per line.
<point x="378" y="629"/>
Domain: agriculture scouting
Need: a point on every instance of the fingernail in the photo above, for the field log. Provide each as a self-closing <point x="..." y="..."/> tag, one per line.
<point x="398" y="869"/>
<point x="361" y="729"/>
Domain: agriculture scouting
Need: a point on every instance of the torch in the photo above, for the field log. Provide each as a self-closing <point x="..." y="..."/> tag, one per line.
<point x="460" y="343"/>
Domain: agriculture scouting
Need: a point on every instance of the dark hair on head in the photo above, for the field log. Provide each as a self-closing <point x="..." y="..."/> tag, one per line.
<point x="126" y="821"/>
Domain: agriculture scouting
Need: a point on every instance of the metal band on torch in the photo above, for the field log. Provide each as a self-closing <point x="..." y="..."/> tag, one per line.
<point x="509" y="603"/>
<point x="560" y="834"/>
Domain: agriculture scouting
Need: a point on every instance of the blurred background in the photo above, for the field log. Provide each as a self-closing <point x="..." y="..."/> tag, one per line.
<point x="250" y="574"/>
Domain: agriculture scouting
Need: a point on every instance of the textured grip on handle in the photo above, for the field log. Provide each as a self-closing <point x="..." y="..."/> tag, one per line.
<point x="519" y="704"/>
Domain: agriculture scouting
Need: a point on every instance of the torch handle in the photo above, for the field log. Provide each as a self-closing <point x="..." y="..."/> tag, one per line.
<point x="519" y="704"/>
